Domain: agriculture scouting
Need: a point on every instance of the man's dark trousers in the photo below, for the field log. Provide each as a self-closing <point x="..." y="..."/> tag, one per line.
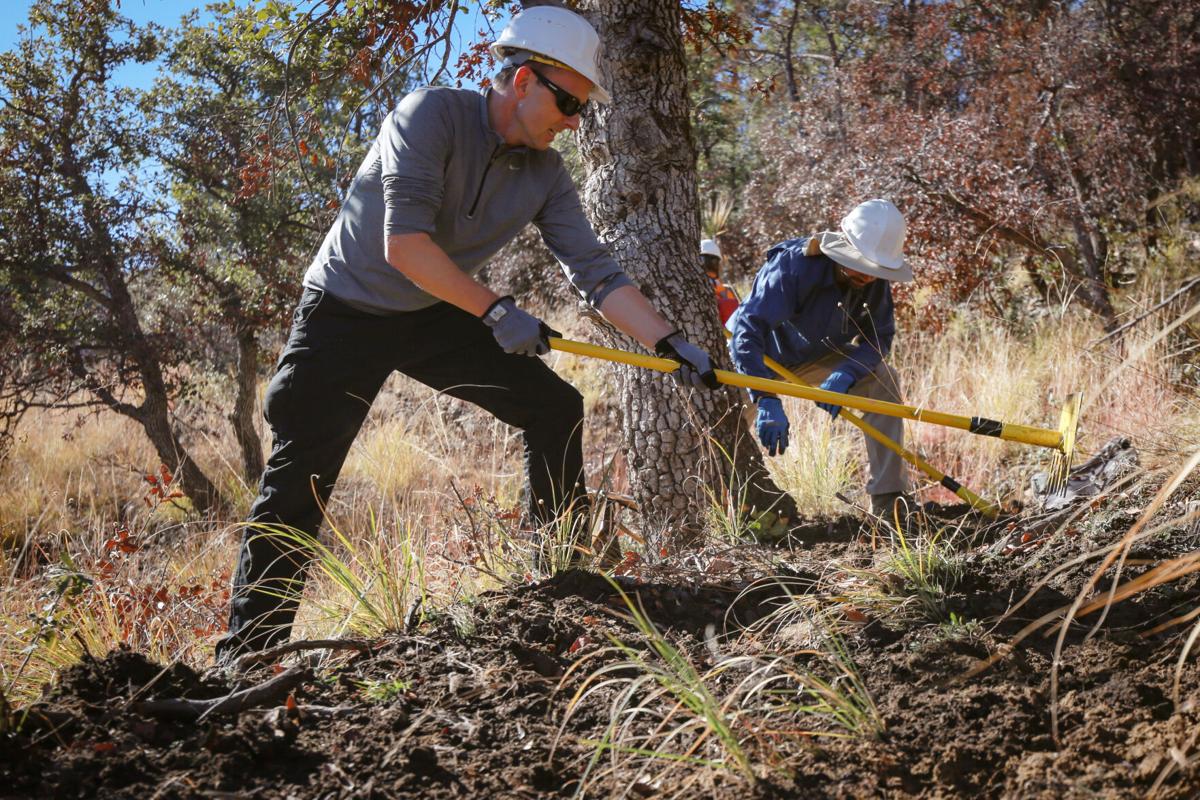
<point x="335" y="361"/>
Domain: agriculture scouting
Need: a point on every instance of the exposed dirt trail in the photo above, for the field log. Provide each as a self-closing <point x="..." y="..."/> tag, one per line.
<point x="473" y="709"/>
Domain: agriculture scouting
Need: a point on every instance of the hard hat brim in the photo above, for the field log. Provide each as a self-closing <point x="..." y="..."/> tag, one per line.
<point x="837" y="246"/>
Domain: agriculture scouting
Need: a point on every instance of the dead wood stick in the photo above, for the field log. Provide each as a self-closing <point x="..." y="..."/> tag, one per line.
<point x="1146" y="313"/>
<point x="272" y="653"/>
<point x="264" y="693"/>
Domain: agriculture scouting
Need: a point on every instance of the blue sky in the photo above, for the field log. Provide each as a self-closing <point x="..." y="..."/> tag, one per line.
<point x="168" y="13"/>
<point x="164" y="12"/>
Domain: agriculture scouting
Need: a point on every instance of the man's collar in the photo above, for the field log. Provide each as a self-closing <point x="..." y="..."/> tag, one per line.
<point x="489" y="131"/>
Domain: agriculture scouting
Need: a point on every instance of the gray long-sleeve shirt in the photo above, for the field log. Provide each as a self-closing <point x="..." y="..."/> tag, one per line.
<point x="438" y="167"/>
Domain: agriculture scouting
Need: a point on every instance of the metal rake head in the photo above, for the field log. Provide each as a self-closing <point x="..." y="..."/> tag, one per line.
<point x="1068" y="426"/>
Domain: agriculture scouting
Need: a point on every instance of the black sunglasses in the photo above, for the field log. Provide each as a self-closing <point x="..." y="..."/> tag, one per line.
<point x="567" y="103"/>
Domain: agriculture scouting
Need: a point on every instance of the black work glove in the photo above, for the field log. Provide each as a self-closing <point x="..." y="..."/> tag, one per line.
<point x="517" y="331"/>
<point x="695" y="367"/>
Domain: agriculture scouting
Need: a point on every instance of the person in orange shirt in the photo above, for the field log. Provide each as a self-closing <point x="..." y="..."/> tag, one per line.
<point x="727" y="299"/>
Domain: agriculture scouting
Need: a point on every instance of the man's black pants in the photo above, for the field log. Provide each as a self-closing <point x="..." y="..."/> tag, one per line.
<point x="335" y="361"/>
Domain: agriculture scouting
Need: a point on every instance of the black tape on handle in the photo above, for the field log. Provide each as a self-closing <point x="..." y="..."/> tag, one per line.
<point x="950" y="483"/>
<point x="986" y="427"/>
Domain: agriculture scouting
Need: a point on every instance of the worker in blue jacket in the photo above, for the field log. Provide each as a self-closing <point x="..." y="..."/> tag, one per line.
<point x="822" y="306"/>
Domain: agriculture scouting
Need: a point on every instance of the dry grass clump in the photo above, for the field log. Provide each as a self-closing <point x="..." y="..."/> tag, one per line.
<point x="678" y="721"/>
<point x="70" y="472"/>
<point x="823" y="459"/>
<point x="980" y="367"/>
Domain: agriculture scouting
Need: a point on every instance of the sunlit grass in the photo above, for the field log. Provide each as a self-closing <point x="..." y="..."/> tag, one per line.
<point x="926" y="560"/>
<point x="163" y="593"/>
<point x="980" y="366"/>
<point x="393" y="461"/>
<point x="373" y="584"/>
<point x="823" y="459"/>
<point x="670" y="718"/>
<point x="71" y="471"/>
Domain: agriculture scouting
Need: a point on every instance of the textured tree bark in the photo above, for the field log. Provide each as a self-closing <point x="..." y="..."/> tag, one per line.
<point x="155" y="417"/>
<point x="242" y="416"/>
<point x="686" y="449"/>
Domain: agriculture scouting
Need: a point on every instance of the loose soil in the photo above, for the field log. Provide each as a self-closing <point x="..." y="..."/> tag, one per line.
<point x="473" y="706"/>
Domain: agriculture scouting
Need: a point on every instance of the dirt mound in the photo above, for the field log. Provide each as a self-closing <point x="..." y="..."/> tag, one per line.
<point x="472" y="705"/>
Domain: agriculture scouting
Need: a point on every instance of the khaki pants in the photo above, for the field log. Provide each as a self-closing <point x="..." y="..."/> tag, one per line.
<point x="887" y="468"/>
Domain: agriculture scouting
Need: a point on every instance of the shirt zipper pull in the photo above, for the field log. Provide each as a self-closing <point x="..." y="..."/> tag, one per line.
<point x="483" y="180"/>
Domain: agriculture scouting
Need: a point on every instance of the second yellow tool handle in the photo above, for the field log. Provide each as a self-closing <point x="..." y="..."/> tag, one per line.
<point x="975" y="501"/>
<point x="1042" y="437"/>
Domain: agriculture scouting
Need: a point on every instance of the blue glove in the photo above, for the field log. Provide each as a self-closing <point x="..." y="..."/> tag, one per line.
<point x="772" y="425"/>
<point x="839" y="382"/>
<point x="695" y="367"/>
<point x="517" y="331"/>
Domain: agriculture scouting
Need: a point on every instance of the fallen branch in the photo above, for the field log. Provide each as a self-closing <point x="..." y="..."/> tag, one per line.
<point x="272" y="653"/>
<point x="261" y="695"/>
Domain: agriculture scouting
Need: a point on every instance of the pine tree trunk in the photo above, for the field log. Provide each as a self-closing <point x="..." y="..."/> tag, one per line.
<point x="242" y="416"/>
<point x="682" y="446"/>
<point x="156" y="421"/>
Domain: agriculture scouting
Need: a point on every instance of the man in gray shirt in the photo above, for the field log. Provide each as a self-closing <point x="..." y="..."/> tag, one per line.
<point x="452" y="177"/>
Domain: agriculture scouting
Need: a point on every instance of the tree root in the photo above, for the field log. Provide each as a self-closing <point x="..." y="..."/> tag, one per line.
<point x="263" y="694"/>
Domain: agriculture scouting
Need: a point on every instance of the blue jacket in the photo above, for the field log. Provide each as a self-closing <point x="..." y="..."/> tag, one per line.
<point x="796" y="313"/>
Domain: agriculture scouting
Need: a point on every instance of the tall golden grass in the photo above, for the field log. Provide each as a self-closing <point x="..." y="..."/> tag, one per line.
<point x="73" y="483"/>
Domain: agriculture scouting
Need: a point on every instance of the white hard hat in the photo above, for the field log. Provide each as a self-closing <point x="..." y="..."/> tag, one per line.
<point x="871" y="241"/>
<point x="563" y="37"/>
<point x="709" y="247"/>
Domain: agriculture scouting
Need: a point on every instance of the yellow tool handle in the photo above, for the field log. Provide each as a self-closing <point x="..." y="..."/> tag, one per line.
<point x="1042" y="437"/>
<point x="985" y="507"/>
